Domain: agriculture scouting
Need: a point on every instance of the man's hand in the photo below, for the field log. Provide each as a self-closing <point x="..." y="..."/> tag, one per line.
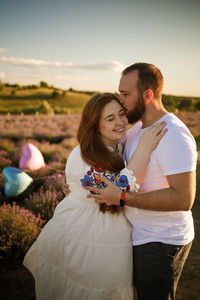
<point x="109" y="195"/>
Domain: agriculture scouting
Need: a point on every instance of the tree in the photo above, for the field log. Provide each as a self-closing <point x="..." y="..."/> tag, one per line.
<point x="43" y="84"/>
<point x="198" y="105"/>
<point x="71" y="89"/>
<point x="55" y="94"/>
<point x="1" y="86"/>
<point x="13" y="92"/>
<point x="185" y="104"/>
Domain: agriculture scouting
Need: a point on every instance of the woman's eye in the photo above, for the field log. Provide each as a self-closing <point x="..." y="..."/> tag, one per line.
<point x="122" y="114"/>
<point x="110" y="120"/>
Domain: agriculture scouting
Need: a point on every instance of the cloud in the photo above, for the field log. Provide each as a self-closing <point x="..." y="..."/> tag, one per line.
<point x="3" y="50"/>
<point x="59" y="80"/>
<point x="2" y="75"/>
<point x="41" y="64"/>
<point x="111" y="66"/>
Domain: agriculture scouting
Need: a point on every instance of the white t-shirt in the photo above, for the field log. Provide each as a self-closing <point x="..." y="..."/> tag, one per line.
<point x="176" y="153"/>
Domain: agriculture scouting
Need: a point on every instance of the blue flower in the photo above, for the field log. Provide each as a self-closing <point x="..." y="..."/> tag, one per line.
<point x="122" y="181"/>
<point x="87" y="181"/>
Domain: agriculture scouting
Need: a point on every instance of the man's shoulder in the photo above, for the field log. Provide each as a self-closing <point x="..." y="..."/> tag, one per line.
<point x="176" y="127"/>
<point x="178" y="136"/>
<point x="173" y="121"/>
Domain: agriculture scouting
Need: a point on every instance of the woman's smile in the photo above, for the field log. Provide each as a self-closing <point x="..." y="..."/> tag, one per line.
<point x="113" y="123"/>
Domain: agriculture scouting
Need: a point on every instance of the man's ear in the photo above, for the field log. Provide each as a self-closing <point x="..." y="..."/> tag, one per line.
<point x="147" y="96"/>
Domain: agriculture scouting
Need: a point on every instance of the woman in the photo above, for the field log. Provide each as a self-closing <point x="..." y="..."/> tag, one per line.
<point x="85" y="250"/>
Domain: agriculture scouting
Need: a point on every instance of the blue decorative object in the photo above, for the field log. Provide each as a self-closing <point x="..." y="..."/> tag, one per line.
<point x="16" y="181"/>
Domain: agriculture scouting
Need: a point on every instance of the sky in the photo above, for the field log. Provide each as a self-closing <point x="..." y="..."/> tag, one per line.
<point x="85" y="44"/>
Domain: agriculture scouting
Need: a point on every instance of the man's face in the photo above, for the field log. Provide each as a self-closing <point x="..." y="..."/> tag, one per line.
<point x="129" y="97"/>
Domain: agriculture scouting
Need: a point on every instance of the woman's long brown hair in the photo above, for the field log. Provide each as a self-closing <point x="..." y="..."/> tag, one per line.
<point x="93" y="151"/>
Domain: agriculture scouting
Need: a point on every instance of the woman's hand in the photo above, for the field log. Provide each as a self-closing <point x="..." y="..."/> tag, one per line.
<point x="147" y="143"/>
<point x="151" y="137"/>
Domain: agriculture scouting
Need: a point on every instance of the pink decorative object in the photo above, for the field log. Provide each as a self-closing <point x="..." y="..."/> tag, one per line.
<point x="32" y="158"/>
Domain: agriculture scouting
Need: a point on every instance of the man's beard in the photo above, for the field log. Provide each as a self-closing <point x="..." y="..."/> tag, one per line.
<point x="136" y="114"/>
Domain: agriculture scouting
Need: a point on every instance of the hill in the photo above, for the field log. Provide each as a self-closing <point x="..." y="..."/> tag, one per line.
<point x="31" y="99"/>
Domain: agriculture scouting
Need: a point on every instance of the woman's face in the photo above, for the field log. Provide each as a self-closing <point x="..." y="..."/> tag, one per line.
<point x="113" y="123"/>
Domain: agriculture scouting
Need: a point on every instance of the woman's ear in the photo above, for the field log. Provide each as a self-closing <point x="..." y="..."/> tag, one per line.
<point x="148" y="95"/>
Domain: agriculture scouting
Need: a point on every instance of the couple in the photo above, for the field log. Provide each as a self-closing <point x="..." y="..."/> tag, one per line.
<point x="85" y="250"/>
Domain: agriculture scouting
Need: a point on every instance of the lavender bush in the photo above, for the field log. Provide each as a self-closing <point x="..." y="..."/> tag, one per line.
<point x="56" y="181"/>
<point x="5" y="162"/>
<point x="7" y="145"/>
<point x="44" y="202"/>
<point x="18" y="229"/>
<point x="50" y="128"/>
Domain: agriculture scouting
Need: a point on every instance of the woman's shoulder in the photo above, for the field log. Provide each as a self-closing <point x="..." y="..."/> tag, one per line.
<point x="75" y="151"/>
<point x="74" y="160"/>
<point x="75" y="166"/>
<point x="75" y="155"/>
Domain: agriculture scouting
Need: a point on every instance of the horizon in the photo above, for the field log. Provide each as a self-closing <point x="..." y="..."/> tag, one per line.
<point x="85" y="91"/>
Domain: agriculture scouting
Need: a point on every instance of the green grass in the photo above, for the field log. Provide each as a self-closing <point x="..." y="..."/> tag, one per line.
<point x="16" y="100"/>
<point x="28" y="101"/>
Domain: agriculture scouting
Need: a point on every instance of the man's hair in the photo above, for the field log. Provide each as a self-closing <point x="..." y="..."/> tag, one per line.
<point x="150" y="77"/>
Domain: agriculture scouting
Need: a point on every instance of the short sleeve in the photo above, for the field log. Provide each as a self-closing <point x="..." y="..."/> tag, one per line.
<point x="176" y="152"/>
<point x="75" y="166"/>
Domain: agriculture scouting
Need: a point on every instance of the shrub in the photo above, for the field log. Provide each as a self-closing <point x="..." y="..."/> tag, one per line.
<point x="56" y="180"/>
<point x="45" y="108"/>
<point x="43" y="84"/>
<point x="6" y="145"/>
<point x="1" y="86"/>
<point x="18" y="229"/>
<point x="198" y="105"/>
<point x="55" y="94"/>
<point x="2" y="183"/>
<point x="13" y="92"/>
<point x="44" y="202"/>
<point x="5" y="162"/>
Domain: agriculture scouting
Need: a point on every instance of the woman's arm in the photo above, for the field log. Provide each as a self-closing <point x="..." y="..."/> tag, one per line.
<point x="147" y="143"/>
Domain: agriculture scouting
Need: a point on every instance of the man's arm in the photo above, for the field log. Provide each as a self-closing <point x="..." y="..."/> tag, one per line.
<point x="179" y="196"/>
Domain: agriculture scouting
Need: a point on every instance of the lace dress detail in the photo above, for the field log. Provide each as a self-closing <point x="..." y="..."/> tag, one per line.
<point x="82" y="253"/>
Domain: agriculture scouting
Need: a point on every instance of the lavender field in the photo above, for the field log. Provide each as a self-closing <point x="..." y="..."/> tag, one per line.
<point x="55" y="137"/>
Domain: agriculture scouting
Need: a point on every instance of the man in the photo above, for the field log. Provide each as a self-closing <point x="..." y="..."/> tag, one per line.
<point x="160" y="213"/>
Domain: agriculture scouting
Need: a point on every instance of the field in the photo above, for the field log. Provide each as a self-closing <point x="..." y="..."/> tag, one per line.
<point x="55" y="136"/>
<point x="30" y="101"/>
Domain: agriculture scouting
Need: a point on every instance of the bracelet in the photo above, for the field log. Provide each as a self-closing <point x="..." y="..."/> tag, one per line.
<point x="122" y="198"/>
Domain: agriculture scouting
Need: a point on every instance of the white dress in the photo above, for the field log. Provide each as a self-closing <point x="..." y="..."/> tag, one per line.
<point x="82" y="253"/>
